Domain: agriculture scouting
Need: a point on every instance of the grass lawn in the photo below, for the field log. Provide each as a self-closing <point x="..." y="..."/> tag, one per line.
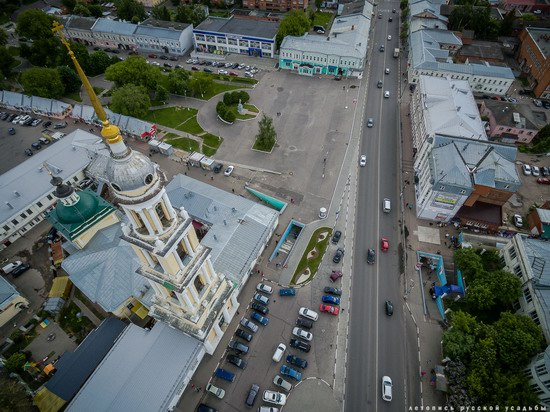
<point x="191" y="126"/>
<point x="14" y="51"/>
<point x="322" y="19"/>
<point x="98" y="90"/>
<point x="74" y="96"/>
<point x="263" y="149"/>
<point x="244" y="116"/>
<point x="235" y="79"/>
<point x="170" y="116"/>
<point x="183" y="143"/>
<point x="211" y="140"/>
<point x="320" y="246"/>
<point x="208" y="151"/>
<point x="218" y="88"/>
<point x="73" y="324"/>
<point x="251" y="108"/>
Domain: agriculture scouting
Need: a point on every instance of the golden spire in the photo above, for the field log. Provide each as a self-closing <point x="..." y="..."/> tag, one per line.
<point x="110" y="132"/>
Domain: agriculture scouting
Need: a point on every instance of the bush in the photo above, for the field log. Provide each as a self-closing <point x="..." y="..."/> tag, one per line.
<point x="234" y="97"/>
<point x="16" y="362"/>
<point x="221" y="108"/>
<point x="230" y="116"/>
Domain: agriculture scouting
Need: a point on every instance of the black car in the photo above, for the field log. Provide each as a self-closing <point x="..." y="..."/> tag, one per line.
<point x="60" y="125"/>
<point x="304" y="323"/>
<point x="259" y="308"/>
<point x="218" y="168"/>
<point x="167" y="65"/>
<point x="207" y="70"/>
<point x="338" y="256"/>
<point x="4" y="116"/>
<point x="36" y="146"/>
<point x="173" y="58"/>
<point x="196" y="69"/>
<point x="47" y="124"/>
<point x="332" y="291"/>
<point x="336" y="237"/>
<point x="163" y="57"/>
<point x="238" y="346"/>
<point x="19" y="270"/>
<point x="11" y="117"/>
<point x="296" y="361"/>
<point x="301" y="345"/>
<point x="371" y="254"/>
<point x="208" y="63"/>
<point x="235" y="360"/>
<point x="28" y="152"/>
<point x="545" y="171"/>
<point x="389" y="308"/>
<point x="243" y="335"/>
<point x="546" y="105"/>
<point x="235" y="65"/>
<point x="205" y="408"/>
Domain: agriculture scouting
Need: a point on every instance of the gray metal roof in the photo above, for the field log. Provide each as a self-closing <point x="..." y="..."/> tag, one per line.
<point x="537" y="253"/>
<point x="241" y="27"/>
<point x="105" y="270"/>
<point x="239" y="227"/>
<point x="421" y="23"/>
<point x="158" y="32"/>
<point x="79" y="22"/>
<point x="165" y="24"/>
<point x="41" y="104"/>
<point x="427" y="7"/>
<point x="7" y="293"/>
<point x="544" y="215"/>
<point x="144" y="371"/>
<point x="31" y="180"/>
<point x="74" y="368"/>
<point x="115" y="27"/>
<point x="504" y="114"/>
<point x="541" y="37"/>
<point x="126" y="124"/>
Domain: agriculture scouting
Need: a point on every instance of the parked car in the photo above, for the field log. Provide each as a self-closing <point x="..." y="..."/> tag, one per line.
<point x="535" y="171"/>
<point x="214" y="390"/>
<point x="196" y="69"/>
<point x="11" y="266"/>
<point x="279" y="352"/>
<point x="371" y="254"/>
<point x="332" y="291"/>
<point x="233" y="73"/>
<point x="384" y="244"/>
<point x="389" y="307"/>
<point x="224" y="374"/>
<point x="262" y="287"/>
<point x="48" y="124"/>
<point x="44" y="141"/>
<point x="335" y="275"/>
<point x="303" y="334"/>
<point x="333" y="310"/>
<point x="545" y="171"/>
<point x="153" y="56"/>
<point x="207" y="70"/>
<point x="336" y="236"/>
<point x="261" y="299"/>
<point x="228" y="171"/>
<point x="205" y="408"/>
<point x="300" y="344"/>
<point x="292" y="373"/>
<point x="262" y="319"/>
<point x="526" y="170"/>
<point x="243" y="335"/>
<point x="304" y="323"/>
<point x="276" y="398"/>
<point x="281" y="383"/>
<point x="238" y="346"/>
<point x="60" y="125"/>
<point x="363" y="161"/>
<point x="308" y="313"/>
<point x="387" y="388"/>
<point x="29" y="152"/>
<point x="259" y="308"/>
<point x="238" y="362"/>
<point x="36" y="146"/>
<point x="518" y="221"/>
<point x="296" y="361"/>
<point x="543" y="181"/>
<point x="11" y="131"/>
<point x="330" y="299"/>
<point x="252" y="394"/>
<point x="338" y="255"/>
<point x="287" y="292"/>
<point x="251" y="326"/>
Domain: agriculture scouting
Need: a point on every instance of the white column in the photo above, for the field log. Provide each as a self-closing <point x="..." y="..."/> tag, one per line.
<point x="182" y="301"/>
<point x="211" y="270"/>
<point x="188" y="302"/>
<point x="204" y="272"/>
<point x="193" y="291"/>
<point x="218" y="330"/>
<point x="234" y="300"/>
<point x="155" y="219"/>
<point x="190" y="250"/>
<point x="168" y="205"/>
<point x="156" y="288"/>
<point x="148" y="258"/>
<point x="226" y="314"/>
<point x="146" y="222"/>
<point x="187" y="292"/>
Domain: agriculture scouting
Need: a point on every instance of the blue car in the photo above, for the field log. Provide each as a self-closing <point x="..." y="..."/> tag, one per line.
<point x="293" y="373"/>
<point x="287" y="292"/>
<point x="330" y="299"/>
<point x="296" y="361"/>
<point x="226" y="375"/>
<point x="263" y="320"/>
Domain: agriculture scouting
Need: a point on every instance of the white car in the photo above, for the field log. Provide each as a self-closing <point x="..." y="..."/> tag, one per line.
<point x="228" y="171"/>
<point x="386" y="94"/>
<point x="387" y="71"/>
<point x="302" y="334"/>
<point x="518" y="221"/>
<point x="274" y="397"/>
<point x="279" y="352"/>
<point x="261" y="287"/>
<point x="222" y="71"/>
<point x="308" y="313"/>
<point x="526" y="170"/>
<point x="189" y="61"/>
<point x="389" y="36"/>
<point x="386" y="388"/>
<point x="535" y="171"/>
<point x="228" y="65"/>
<point x="214" y="390"/>
<point x="363" y="161"/>
<point x="11" y="266"/>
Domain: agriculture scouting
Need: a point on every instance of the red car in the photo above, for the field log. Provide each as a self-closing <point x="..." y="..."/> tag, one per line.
<point x="195" y="68"/>
<point x="543" y="181"/>
<point x="333" y="310"/>
<point x="384" y="244"/>
<point x="335" y="275"/>
<point x="153" y="56"/>
<point x="233" y="74"/>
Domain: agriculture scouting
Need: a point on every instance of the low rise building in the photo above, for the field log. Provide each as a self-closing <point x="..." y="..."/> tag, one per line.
<point x="164" y="37"/>
<point x="114" y="34"/>
<point x="276" y="5"/>
<point x="539" y="221"/>
<point x="218" y="35"/>
<point x="425" y="14"/>
<point x="11" y="301"/>
<point x="534" y="59"/>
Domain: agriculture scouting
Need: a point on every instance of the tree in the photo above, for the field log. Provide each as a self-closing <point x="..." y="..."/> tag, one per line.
<point x="13" y="396"/>
<point x="457" y="344"/>
<point x="191" y="14"/>
<point x="464" y="322"/>
<point x="130" y="9"/>
<point x="99" y="61"/>
<point x="160" y="12"/>
<point x="200" y="83"/>
<point x="35" y="24"/>
<point x="162" y="93"/>
<point x="480" y="295"/>
<point x="178" y="82"/>
<point x="295" y="23"/>
<point x="95" y="10"/>
<point x="80" y="9"/>
<point x="43" y="82"/>
<point x="3" y="37"/>
<point x="69" y="4"/>
<point x="131" y="100"/>
<point x="266" y="137"/>
<point x="69" y="78"/>
<point x="81" y="53"/>
<point x="42" y="52"/>
<point x="16" y="362"/>
<point x="318" y="4"/>
<point x="507" y="23"/>
<point x="310" y="12"/>
<point x="469" y="262"/>
<point x="134" y="70"/>
<point x="506" y="286"/>
<point x="7" y="61"/>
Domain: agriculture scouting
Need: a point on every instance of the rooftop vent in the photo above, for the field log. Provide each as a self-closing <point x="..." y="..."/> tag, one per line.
<point x="233" y="209"/>
<point x="215" y="237"/>
<point x="225" y="222"/>
<point x="16" y="193"/>
<point x="8" y="204"/>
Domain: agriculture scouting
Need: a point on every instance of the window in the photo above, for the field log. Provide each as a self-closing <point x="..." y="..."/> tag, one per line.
<point x="198" y="284"/>
<point x="160" y="211"/>
<point x="49" y="197"/>
<point x="6" y="228"/>
<point x="23" y="215"/>
<point x="517" y="270"/>
<point x="512" y="253"/>
<point x="75" y="179"/>
<point x="527" y="295"/>
<point x="14" y="221"/>
<point x="29" y="212"/>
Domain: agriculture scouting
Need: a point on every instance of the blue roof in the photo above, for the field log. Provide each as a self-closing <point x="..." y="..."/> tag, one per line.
<point x="112" y="26"/>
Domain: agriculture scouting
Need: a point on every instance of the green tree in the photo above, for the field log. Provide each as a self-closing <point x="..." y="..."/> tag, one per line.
<point x="464" y="322"/>
<point x="267" y="136"/>
<point x="69" y="4"/>
<point x="469" y="262"/>
<point x="513" y="389"/>
<point x="178" y="82"/>
<point x="190" y="14"/>
<point x="15" y="362"/>
<point x="3" y="37"/>
<point x="13" y="396"/>
<point x="43" y="52"/>
<point x="69" y="78"/>
<point x="230" y="116"/>
<point x="175" y="3"/>
<point x="295" y="23"/>
<point x="34" y="24"/>
<point x="506" y="286"/>
<point x="95" y="10"/>
<point x="200" y="84"/>
<point x="221" y="108"/>
<point x="43" y="82"/>
<point x="160" y="12"/>
<point x="130" y="9"/>
<point x="134" y="70"/>
<point x="318" y="4"/>
<point x="7" y="61"/>
<point x="99" y="61"/>
<point x="162" y="93"/>
<point x="480" y="295"/>
<point x="81" y="9"/>
<point x="507" y="23"/>
<point x="541" y="142"/>
<point x="457" y="344"/>
<point x="131" y="100"/>
<point x="81" y="53"/>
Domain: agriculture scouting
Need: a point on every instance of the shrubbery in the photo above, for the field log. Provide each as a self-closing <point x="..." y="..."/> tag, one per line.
<point x="223" y="108"/>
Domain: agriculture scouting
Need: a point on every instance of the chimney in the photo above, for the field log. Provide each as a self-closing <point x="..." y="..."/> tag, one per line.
<point x="9" y="205"/>
<point x="353" y="26"/>
<point x="16" y="193"/>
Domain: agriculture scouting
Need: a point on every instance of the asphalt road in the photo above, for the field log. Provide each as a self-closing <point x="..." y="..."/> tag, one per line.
<point x="376" y="344"/>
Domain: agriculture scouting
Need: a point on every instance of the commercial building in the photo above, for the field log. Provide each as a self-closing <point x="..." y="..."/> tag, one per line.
<point x="218" y="35"/>
<point x="534" y="59"/>
<point x="276" y="5"/>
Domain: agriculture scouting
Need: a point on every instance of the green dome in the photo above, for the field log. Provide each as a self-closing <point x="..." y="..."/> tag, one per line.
<point x="85" y="208"/>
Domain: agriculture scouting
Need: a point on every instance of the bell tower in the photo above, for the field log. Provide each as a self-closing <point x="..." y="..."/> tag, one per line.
<point x="189" y="294"/>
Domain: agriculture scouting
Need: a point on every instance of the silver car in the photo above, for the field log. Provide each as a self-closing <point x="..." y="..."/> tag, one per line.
<point x="281" y="383"/>
<point x="251" y="326"/>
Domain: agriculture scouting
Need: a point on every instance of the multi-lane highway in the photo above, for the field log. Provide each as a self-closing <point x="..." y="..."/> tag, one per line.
<point x="376" y="342"/>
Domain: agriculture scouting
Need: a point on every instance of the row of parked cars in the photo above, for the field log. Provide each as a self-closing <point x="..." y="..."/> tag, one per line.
<point x="16" y="268"/>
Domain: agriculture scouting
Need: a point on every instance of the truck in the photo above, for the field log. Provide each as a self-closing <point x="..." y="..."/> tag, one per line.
<point x="396" y="52"/>
<point x="51" y="135"/>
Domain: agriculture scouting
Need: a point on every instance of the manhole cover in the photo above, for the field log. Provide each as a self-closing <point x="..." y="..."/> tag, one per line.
<point x="352" y="86"/>
<point x="292" y="148"/>
<point x="280" y="89"/>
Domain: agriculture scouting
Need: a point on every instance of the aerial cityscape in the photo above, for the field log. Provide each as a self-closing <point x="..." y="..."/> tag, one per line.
<point x="234" y="205"/>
